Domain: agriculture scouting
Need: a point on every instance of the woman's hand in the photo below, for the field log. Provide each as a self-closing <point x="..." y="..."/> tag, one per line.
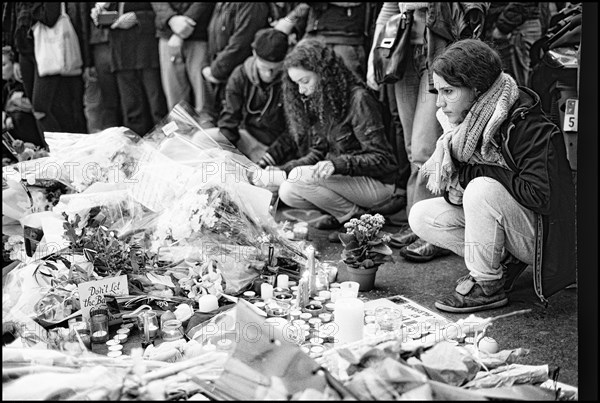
<point x="323" y="170"/>
<point x="125" y="21"/>
<point x="175" y="44"/>
<point x="182" y="25"/>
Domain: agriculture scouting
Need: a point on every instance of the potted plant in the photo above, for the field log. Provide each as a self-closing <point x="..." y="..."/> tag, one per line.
<point x="365" y="248"/>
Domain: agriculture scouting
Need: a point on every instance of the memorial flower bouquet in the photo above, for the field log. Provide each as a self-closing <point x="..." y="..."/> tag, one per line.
<point x="365" y="245"/>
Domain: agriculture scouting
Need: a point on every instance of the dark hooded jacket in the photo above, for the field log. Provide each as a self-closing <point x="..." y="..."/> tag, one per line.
<point x="539" y="179"/>
<point x="357" y="146"/>
<point x="258" y="108"/>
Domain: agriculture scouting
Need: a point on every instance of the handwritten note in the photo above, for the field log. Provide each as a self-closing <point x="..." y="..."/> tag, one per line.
<point x="91" y="293"/>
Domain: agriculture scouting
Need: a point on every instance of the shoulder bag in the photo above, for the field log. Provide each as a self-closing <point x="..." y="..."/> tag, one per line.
<point x="56" y="48"/>
<point x="392" y="50"/>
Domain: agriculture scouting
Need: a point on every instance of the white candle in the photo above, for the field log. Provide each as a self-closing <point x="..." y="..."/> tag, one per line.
<point x="207" y="303"/>
<point x="349" y="318"/>
<point x="311" y="269"/>
<point x="282" y="281"/>
<point x="266" y="291"/>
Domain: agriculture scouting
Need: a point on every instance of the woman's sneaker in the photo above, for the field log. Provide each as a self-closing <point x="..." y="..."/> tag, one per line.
<point x="474" y="296"/>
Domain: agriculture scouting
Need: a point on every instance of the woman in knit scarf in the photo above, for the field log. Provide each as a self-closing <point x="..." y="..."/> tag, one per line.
<point x="500" y="165"/>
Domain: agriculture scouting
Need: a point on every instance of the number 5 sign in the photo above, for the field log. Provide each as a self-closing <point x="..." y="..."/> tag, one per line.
<point x="571" y="113"/>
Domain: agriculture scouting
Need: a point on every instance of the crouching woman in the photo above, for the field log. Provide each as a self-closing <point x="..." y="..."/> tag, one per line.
<point x="501" y="164"/>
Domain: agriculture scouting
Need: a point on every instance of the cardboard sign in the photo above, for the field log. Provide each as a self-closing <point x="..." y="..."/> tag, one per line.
<point x="91" y="293"/>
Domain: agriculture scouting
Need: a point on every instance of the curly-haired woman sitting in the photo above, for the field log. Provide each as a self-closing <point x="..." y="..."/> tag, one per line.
<point x="348" y="164"/>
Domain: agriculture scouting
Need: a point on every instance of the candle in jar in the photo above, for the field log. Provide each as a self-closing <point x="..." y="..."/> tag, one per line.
<point x="325" y="294"/>
<point x="349" y="317"/>
<point x="282" y="281"/>
<point x="266" y="291"/>
<point x="99" y="335"/>
<point x="152" y="330"/>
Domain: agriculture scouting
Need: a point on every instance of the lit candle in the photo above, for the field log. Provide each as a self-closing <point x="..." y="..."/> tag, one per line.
<point x="303" y="290"/>
<point x="99" y="336"/>
<point x="325" y="294"/>
<point x="311" y="269"/>
<point x="266" y="291"/>
<point x="349" y="317"/>
<point x="153" y="330"/>
<point x="282" y="281"/>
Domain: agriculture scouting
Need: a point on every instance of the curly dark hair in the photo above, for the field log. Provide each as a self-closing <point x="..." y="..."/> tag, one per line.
<point x="330" y="101"/>
<point x="468" y="63"/>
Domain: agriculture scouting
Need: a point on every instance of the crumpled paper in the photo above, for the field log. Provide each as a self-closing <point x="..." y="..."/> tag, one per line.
<point x="447" y="363"/>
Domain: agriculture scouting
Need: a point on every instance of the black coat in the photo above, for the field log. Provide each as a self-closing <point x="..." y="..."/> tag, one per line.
<point x="539" y="179"/>
<point x="230" y="35"/>
<point x="258" y="108"/>
<point x="201" y="12"/>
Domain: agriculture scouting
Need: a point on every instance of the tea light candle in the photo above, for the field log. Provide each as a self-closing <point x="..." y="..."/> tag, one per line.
<point x="266" y="291"/>
<point x="330" y="306"/>
<point x="292" y="284"/>
<point x="316" y="350"/>
<point x="282" y="280"/>
<point x="305" y="316"/>
<point x="284" y="297"/>
<point x="314" y="309"/>
<point x="316" y="340"/>
<point x="122" y="337"/>
<point x="325" y="294"/>
<point x="117" y="347"/>
<point x="259" y="304"/>
<point x="153" y="330"/>
<point x="349" y="317"/>
<point x="295" y="314"/>
<point x="249" y="294"/>
<point x="314" y="322"/>
<point x="123" y="330"/>
<point x="294" y="288"/>
<point x="334" y="285"/>
<point x="325" y="317"/>
<point x="320" y="300"/>
<point x="111" y="342"/>
<point x="114" y="354"/>
<point x="298" y="322"/>
<point x="128" y="325"/>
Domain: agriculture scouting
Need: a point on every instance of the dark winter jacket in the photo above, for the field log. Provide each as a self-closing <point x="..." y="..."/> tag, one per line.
<point x="48" y="12"/>
<point x="508" y="16"/>
<point x="258" y="108"/>
<point x="450" y="22"/>
<point x="230" y="35"/>
<point x="540" y="180"/>
<point x="135" y="48"/>
<point x="360" y="148"/>
<point x="16" y="27"/>
<point x="197" y="11"/>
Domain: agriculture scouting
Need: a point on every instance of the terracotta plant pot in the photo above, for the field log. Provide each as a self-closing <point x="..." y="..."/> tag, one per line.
<point x="364" y="277"/>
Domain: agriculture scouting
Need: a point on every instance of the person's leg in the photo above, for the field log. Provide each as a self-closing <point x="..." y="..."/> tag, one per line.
<point x="132" y="99"/>
<point x="111" y="114"/>
<point x="340" y="196"/>
<point x="154" y="94"/>
<point x="440" y="223"/>
<point x="29" y="72"/>
<point x="173" y="75"/>
<point x="522" y="39"/>
<point x="196" y="54"/>
<point x="495" y="221"/>
<point x="75" y="94"/>
<point x="45" y="100"/>
<point x="425" y="132"/>
<point x="496" y="225"/>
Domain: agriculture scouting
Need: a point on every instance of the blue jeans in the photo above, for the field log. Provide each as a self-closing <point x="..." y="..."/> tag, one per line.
<point x="339" y="195"/>
<point x="416" y="108"/>
<point x="484" y="230"/>
<point x="182" y="78"/>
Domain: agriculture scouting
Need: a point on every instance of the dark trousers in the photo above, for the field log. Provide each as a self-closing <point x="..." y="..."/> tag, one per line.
<point x="28" y="71"/>
<point x="396" y="134"/>
<point x="102" y="106"/>
<point x="142" y="99"/>
<point x="58" y="104"/>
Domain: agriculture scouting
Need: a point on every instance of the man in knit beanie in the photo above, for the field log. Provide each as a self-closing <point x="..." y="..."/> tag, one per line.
<point x="253" y="117"/>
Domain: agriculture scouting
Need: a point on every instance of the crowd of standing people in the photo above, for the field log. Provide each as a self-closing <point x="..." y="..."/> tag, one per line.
<point x="292" y="86"/>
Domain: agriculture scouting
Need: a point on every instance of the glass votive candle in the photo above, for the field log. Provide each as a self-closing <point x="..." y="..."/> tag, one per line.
<point x="80" y="330"/>
<point x="172" y="330"/>
<point x="148" y="324"/>
<point x="99" y="325"/>
<point x="388" y="319"/>
<point x="313" y="308"/>
<point x="279" y="309"/>
<point x="284" y="297"/>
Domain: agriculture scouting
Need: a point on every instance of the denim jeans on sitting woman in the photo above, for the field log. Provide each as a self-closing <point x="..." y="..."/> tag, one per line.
<point x="489" y="225"/>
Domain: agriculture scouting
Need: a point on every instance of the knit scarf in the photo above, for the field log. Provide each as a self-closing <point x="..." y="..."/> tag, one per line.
<point x="461" y="141"/>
